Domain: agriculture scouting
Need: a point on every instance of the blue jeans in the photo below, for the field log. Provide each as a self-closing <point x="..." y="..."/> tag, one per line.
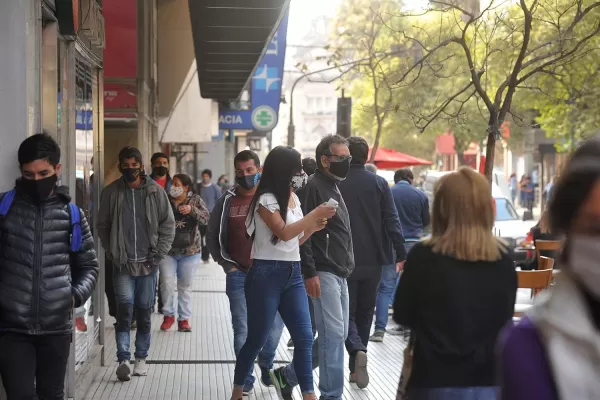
<point x="178" y="272"/>
<point x="469" y="393"/>
<point x="331" y="318"/>
<point x="270" y="286"/>
<point x="239" y="318"/>
<point x="387" y="291"/>
<point x="130" y="292"/>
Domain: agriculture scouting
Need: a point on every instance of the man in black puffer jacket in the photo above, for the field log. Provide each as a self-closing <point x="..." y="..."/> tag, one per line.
<point x="41" y="280"/>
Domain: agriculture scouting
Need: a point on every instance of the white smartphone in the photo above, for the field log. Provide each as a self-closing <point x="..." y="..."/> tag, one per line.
<point x="332" y="203"/>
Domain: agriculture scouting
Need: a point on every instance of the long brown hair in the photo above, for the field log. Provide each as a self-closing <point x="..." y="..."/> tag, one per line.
<point x="463" y="218"/>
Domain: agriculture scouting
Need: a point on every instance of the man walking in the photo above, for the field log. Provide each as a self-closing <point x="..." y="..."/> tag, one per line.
<point x="230" y="247"/>
<point x="48" y="266"/>
<point x="210" y="193"/>
<point x="327" y="260"/>
<point x="136" y="227"/>
<point x="160" y="175"/>
<point x="376" y="234"/>
<point x="413" y="211"/>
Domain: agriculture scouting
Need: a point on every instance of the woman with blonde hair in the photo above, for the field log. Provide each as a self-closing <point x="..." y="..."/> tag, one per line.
<point x="457" y="292"/>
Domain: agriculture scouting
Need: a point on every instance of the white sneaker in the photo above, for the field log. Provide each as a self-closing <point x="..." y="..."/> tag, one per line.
<point x="123" y="371"/>
<point x="139" y="368"/>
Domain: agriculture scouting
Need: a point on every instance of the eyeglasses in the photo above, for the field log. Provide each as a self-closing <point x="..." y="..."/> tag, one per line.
<point x="339" y="158"/>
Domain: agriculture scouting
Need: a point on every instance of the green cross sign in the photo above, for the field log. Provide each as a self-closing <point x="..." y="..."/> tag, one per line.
<point x="264" y="118"/>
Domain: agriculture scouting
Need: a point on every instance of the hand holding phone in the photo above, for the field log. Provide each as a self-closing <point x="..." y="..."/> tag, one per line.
<point x="332" y="203"/>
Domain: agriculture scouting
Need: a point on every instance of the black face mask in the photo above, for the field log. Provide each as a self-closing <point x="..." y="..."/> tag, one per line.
<point x="339" y="169"/>
<point x="131" y="174"/>
<point x="38" y="190"/>
<point x="160" y="171"/>
<point x="248" y="181"/>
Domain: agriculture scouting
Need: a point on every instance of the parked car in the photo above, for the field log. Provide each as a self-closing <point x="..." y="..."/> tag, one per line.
<point x="508" y="225"/>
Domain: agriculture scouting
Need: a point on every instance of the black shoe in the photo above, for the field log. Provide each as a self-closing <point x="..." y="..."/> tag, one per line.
<point x="265" y="377"/>
<point x="290" y="344"/>
<point x="284" y="391"/>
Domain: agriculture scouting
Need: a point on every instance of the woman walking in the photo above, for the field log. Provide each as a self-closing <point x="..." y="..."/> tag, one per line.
<point x="274" y="282"/>
<point x="178" y="268"/>
<point x="457" y="292"/>
<point x="554" y="353"/>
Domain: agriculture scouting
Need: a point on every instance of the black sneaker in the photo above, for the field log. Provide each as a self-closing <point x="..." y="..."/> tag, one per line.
<point x="290" y="344"/>
<point x="265" y="377"/>
<point x="284" y="391"/>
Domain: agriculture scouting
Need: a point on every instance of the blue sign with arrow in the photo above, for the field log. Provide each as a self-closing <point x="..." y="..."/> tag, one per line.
<point x="265" y="94"/>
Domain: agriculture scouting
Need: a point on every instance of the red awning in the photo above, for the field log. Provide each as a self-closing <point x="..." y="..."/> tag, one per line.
<point x="392" y="159"/>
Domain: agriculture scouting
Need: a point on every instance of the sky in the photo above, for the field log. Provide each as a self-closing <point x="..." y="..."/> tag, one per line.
<point x="303" y="11"/>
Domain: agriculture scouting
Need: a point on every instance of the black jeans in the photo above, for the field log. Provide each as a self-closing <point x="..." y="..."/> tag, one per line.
<point x="362" y="293"/>
<point x="34" y="367"/>
<point x="205" y="253"/>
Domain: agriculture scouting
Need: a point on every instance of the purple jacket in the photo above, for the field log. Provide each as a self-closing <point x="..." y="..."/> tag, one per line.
<point x="524" y="369"/>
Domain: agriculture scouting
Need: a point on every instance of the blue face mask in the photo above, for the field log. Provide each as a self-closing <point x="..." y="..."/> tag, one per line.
<point x="247" y="181"/>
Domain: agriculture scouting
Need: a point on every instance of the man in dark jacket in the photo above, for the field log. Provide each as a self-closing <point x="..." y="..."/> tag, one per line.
<point x="136" y="227"/>
<point x="413" y="210"/>
<point x="230" y="246"/>
<point x="327" y="261"/>
<point x="41" y="279"/>
<point x="376" y="234"/>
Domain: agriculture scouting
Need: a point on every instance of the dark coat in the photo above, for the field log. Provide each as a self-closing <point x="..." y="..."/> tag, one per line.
<point x="39" y="276"/>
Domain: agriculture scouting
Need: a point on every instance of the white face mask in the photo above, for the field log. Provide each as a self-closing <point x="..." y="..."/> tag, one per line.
<point x="299" y="181"/>
<point x="584" y="262"/>
<point x="176" y="191"/>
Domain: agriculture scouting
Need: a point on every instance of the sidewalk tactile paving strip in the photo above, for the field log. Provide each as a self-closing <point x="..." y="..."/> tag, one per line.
<point x="200" y="364"/>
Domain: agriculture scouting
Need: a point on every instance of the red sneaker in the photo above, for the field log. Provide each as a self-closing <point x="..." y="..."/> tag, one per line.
<point x="184" y="326"/>
<point x="167" y="323"/>
<point x="80" y="324"/>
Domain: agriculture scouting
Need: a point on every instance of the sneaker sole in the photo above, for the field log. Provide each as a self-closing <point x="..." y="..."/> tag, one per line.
<point x="124" y="373"/>
<point x="184" y="330"/>
<point x="360" y="369"/>
<point x="376" y="339"/>
<point x="276" y="384"/>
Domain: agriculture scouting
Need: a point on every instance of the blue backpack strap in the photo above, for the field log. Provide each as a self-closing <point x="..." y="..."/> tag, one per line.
<point x="76" y="238"/>
<point x="6" y="202"/>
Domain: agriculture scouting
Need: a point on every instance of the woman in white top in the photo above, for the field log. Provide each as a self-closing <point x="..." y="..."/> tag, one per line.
<point x="274" y="282"/>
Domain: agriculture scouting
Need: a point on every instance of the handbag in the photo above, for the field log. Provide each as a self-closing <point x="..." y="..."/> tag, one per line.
<point x="406" y="368"/>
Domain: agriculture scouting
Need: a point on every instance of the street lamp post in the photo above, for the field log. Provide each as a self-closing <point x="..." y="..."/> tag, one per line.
<point x="291" y="126"/>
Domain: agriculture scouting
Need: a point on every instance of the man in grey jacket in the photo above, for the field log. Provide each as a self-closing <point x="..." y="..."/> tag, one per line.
<point x="136" y="227"/>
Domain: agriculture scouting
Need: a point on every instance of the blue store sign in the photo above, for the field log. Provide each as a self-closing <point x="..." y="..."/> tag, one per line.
<point x="265" y="91"/>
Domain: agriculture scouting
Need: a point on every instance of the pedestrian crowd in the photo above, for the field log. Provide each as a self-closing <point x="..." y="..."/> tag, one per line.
<point x="321" y="246"/>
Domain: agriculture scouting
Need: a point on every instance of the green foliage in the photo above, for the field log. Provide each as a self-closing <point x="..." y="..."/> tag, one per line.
<point x="455" y="67"/>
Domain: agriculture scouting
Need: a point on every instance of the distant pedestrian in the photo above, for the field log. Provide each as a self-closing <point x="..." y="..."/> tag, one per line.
<point x="178" y="268"/>
<point x="372" y="168"/>
<point x="223" y="183"/>
<point x="210" y="193"/>
<point x="413" y="210"/>
<point x="513" y="187"/>
<point x="309" y="165"/>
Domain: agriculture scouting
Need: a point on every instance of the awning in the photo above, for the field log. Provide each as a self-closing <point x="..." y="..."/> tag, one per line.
<point x="392" y="159"/>
<point x="230" y="37"/>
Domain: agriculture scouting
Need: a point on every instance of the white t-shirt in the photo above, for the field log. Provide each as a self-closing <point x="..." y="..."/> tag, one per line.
<point x="262" y="247"/>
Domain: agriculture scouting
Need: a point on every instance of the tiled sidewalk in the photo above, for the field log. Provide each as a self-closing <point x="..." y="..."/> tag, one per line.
<point x="199" y="365"/>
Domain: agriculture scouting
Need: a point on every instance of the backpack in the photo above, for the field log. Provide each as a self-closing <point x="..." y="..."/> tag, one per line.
<point x="76" y="238"/>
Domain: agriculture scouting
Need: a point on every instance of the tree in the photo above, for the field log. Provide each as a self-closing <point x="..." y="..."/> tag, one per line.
<point x="500" y="50"/>
<point x="363" y="33"/>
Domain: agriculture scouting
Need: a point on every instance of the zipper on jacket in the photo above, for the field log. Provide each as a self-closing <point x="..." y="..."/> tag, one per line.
<point x="134" y="226"/>
<point x="37" y="266"/>
<point x="327" y="245"/>
<point x="226" y="203"/>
